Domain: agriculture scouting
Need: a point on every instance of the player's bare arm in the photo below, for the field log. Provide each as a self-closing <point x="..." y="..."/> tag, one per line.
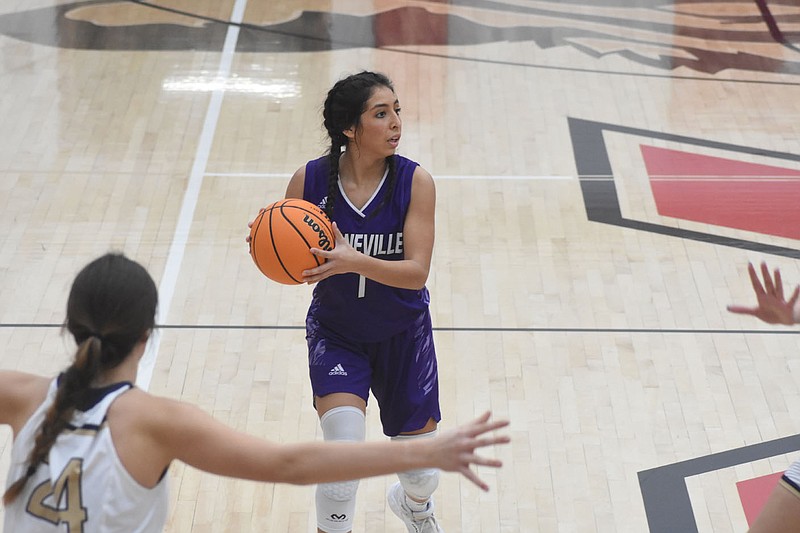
<point x="20" y="395"/>
<point x="190" y="435"/>
<point x="296" y="184"/>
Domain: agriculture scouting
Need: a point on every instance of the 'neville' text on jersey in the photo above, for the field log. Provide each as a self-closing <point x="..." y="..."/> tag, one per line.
<point x="376" y="244"/>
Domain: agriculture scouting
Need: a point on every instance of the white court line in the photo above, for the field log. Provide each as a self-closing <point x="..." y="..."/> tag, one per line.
<point x="435" y="176"/>
<point x="501" y="177"/>
<point x="759" y="179"/>
<point x="249" y="175"/>
<point x="166" y="289"/>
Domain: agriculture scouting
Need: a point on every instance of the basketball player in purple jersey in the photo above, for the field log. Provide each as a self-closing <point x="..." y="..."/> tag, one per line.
<point x="368" y="326"/>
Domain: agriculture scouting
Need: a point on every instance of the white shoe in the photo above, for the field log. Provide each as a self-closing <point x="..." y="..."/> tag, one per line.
<point x="416" y="522"/>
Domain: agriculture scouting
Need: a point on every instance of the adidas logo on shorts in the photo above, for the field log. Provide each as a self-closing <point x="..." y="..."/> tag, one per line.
<point x="338" y="370"/>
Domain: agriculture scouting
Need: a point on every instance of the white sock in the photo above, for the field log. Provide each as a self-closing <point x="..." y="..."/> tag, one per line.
<point x="416" y="506"/>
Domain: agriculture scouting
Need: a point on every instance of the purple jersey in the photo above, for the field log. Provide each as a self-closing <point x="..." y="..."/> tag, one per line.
<point x="355" y="307"/>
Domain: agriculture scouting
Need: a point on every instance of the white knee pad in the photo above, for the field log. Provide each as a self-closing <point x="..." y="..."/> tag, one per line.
<point x="337" y="501"/>
<point x="419" y="484"/>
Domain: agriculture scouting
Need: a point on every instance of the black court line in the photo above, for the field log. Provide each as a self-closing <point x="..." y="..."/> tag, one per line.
<point x="464" y="329"/>
<point x="666" y="498"/>
<point x="599" y="188"/>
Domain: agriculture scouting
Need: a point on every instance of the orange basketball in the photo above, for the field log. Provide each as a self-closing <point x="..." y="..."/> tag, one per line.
<point x="283" y="233"/>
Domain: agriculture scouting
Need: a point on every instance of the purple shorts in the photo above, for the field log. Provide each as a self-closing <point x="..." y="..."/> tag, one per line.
<point x="401" y="372"/>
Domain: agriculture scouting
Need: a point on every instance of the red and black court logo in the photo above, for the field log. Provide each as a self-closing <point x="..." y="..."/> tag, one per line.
<point x="689" y="188"/>
<point x="662" y="184"/>
<point x="677" y="35"/>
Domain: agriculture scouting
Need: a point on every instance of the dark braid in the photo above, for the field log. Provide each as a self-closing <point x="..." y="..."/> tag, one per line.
<point x="111" y="307"/>
<point x="71" y="389"/>
<point x="333" y="177"/>
<point x="391" y="177"/>
<point x="345" y="103"/>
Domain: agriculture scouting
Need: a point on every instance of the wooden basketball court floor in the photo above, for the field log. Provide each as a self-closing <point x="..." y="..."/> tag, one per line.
<point x="605" y="170"/>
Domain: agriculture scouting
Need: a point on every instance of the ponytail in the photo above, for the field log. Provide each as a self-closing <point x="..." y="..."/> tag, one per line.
<point x="72" y="387"/>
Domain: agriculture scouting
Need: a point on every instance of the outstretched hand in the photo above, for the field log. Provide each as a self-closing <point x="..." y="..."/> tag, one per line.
<point x="773" y="308"/>
<point x="455" y="449"/>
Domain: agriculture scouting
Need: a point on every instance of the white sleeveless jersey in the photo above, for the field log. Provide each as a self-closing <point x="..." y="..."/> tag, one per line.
<point x="84" y="488"/>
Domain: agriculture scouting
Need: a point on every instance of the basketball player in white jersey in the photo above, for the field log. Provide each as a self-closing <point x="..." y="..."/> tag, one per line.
<point x="781" y="512"/>
<point x="91" y="450"/>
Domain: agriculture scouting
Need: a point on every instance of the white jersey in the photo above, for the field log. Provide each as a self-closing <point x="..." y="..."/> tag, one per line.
<point x="84" y="488"/>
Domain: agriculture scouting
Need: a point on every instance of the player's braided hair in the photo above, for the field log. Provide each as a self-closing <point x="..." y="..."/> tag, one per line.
<point x="111" y="307"/>
<point x="345" y="103"/>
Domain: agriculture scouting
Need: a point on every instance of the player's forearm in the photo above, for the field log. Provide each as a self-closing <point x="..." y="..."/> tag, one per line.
<point x="404" y="274"/>
<point x="323" y="462"/>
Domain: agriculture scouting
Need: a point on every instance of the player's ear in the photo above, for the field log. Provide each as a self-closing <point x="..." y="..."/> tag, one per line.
<point x="350" y="132"/>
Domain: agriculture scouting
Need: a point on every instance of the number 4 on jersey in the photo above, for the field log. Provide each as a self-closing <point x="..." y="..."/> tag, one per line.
<point x="61" y="503"/>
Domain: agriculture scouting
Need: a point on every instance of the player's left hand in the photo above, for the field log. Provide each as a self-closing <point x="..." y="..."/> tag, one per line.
<point x="341" y="259"/>
<point x="772" y="308"/>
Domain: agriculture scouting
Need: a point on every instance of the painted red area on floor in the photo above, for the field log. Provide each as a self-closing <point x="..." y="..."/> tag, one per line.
<point x="723" y="192"/>
<point x="663" y="162"/>
<point x="753" y="494"/>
